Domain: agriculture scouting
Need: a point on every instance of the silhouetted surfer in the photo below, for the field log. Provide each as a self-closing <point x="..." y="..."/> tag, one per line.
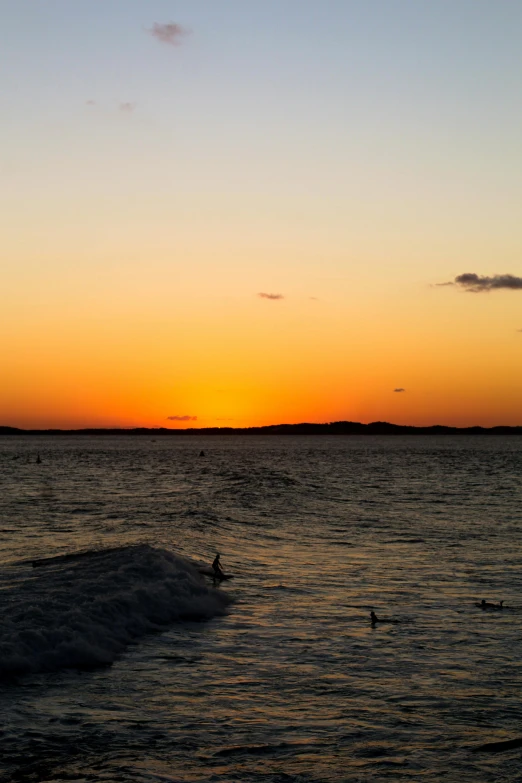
<point x="216" y="567"/>
<point x="201" y="453"/>
<point x="374" y="619"/>
<point x="486" y="605"/>
<point x="38" y="460"/>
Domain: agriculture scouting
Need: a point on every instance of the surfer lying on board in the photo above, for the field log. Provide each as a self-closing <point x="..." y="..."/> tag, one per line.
<point x="487" y="605"/>
<point x="374" y="619"/>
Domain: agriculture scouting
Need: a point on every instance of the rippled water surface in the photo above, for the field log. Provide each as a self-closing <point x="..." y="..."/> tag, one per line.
<point x="126" y="664"/>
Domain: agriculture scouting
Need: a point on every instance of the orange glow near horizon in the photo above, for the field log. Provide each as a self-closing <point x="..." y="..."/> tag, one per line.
<point x="251" y="362"/>
<point x="280" y="367"/>
<point x="245" y="361"/>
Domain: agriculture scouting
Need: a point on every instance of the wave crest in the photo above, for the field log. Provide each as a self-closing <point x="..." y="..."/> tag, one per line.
<point x="83" y="612"/>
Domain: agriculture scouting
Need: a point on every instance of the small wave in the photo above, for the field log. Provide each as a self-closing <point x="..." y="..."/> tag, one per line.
<point x="82" y="612"/>
<point x="271" y="749"/>
<point x="286" y="588"/>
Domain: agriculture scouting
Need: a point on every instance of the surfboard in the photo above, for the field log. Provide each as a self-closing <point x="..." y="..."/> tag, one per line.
<point x="208" y="571"/>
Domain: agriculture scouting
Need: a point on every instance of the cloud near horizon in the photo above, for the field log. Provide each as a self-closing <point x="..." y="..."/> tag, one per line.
<point x="399" y="390"/>
<point x="127" y="106"/>
<point x="182" y="418"/>
<point x="270" y="296"/>
<point x="477" y="284"/>
<point x="169" y="33"/>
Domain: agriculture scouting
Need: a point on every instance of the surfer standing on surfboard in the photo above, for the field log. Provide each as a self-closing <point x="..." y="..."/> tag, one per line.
<point x="216" y="567"/>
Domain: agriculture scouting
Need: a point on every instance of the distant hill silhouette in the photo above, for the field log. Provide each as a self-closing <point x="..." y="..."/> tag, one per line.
<point x="332" y="428"/>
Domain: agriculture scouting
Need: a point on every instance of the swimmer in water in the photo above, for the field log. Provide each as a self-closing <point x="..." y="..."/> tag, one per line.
<point x="374" y="619"/>
<point x="486" y="605"/>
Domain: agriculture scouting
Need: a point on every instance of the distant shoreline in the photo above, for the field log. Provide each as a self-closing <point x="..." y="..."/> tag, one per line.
<point x="334" y="428"/>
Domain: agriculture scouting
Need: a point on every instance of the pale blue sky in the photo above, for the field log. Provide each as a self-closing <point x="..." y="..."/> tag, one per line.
<point x="315" y="70"/>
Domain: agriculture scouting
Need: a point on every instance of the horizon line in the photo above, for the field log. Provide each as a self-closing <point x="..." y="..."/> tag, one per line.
<point x="338" y="426"/>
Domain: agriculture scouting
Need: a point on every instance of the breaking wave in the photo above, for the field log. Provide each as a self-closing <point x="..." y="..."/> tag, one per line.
<point x="82" y="611"/>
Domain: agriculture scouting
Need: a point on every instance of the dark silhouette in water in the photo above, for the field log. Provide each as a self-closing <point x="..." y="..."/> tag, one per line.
<point x="201" y="453"/>
<point x="486" y="605"/>
<point x="498" y="747"/>
<point x="216" y="567"/>
<point x="374" y="619"/>
<point x="38" y="460"/>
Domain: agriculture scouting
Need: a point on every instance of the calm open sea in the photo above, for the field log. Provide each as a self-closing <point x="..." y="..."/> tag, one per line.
<point x="126" y="664"/>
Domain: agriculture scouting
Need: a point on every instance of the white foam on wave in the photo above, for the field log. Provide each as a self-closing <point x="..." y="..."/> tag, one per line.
<point x="82" y="613"/>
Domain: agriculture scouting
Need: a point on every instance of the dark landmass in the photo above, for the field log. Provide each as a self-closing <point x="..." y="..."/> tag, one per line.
<point x="333" y="428"/>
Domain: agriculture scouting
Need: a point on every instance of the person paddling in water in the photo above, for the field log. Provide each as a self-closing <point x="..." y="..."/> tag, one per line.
<point x="216" y="567"/>
<point x="374" y="619"/>
<point x="486" y="605"/>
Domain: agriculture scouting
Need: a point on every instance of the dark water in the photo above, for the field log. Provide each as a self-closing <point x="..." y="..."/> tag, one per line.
<point x="127" y="665"/>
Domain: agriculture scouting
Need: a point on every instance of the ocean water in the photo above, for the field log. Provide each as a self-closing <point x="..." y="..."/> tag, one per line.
<point x="125" y="663"/>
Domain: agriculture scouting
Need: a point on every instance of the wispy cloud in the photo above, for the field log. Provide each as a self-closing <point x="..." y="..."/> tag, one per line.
<point x="169" y="33"/>
<point x="90" y="103"/>
<point x="182" y="418"/>
<point x="399" y="390"/>
<point x="477" y="284"/>
<point x="127" y="107"/>
<point x="270" y="296"/>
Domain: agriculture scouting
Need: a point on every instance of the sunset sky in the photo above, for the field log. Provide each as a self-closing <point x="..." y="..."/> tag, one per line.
<point x="247" y="212"/>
